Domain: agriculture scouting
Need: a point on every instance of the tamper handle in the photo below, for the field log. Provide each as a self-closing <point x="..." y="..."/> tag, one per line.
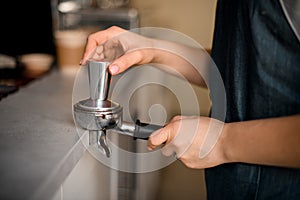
<point x="144" y="130"/>
<point x="99" y="80"/>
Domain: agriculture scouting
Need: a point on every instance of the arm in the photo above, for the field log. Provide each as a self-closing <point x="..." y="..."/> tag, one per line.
<point x="125" y="49"/>
<point x="273" y="141"/>
<point x="191" y="63"/>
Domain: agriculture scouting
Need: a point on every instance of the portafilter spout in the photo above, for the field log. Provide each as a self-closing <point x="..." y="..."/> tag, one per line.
<point x="97" y="113"/>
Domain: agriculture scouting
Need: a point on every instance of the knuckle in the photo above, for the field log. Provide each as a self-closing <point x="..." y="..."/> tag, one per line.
<point x="91" y="37"/>
<point x="114" y="28"/>
<point x="139" y="55"/>
<point x="176" y="125"/>
<point x="188" y="163"/>
<point x="177" y="117"/>
<point x="150" y="140"/>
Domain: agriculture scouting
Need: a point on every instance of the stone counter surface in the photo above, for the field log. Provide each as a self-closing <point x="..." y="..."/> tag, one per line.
<point x="39" y="145"/>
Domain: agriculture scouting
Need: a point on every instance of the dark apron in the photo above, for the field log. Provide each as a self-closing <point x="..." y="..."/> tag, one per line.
<point x="257" y="51"/>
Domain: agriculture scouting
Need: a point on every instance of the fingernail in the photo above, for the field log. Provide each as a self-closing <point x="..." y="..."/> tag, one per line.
<point x="113" y="69"/>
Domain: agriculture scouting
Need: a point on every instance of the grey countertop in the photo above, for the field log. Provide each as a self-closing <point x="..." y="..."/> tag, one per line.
<point x="39" y="144"/>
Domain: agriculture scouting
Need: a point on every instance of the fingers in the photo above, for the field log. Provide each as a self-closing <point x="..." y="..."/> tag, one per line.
<point x="178" y="135"/>
<point x="129" y="59"/>
<point x="107" y="52"/>
<point x="97" y="39"/>
<point x="93" y="41"/>
<point x="158" y="137"/>
<point x="121" y="47"/>
<point x="163" y="135"/>
<point x="177" y="118"/>
<point x="112" y="49"/>
<point x="97" y="54"/>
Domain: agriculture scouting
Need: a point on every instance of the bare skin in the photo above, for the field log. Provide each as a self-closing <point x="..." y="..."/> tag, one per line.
<point x="272" y="141"/>
<point x="125" y="49"/>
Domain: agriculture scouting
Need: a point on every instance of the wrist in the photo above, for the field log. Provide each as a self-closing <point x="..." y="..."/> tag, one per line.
<point x="226" y="143"/>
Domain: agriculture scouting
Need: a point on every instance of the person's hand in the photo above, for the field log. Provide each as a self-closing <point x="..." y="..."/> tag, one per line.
<point x="196" y="141"/>
<point x="120" y="47"/>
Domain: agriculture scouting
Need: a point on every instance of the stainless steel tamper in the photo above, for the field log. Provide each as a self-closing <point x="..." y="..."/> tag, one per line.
<point x="98" y="113"/>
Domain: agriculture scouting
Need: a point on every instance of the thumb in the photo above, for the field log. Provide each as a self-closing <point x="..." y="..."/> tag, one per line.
<point x="157" y="138"/>
<point x="127" y="60"/>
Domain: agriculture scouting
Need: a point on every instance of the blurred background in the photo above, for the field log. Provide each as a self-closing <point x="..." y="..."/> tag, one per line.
<point x="38" y="36"/>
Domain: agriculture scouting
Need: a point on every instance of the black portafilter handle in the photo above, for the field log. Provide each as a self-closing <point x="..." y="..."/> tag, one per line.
<point x="144" y="130"/>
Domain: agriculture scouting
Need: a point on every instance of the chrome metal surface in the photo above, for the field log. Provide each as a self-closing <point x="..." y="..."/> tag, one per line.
<point x="99" y="80"/>
<point x="97" y="113"/>
<point x="90" y="116"/>
<point x="102" y="142"/>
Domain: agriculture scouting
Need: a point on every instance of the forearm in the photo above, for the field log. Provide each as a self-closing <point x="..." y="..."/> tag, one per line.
<point x="274" y="141"/>
<point x="189" y="62"/>
<point x="125" y="48"/>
